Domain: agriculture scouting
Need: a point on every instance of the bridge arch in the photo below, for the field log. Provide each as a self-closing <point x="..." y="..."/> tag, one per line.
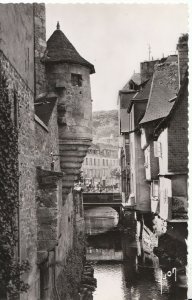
<point x="112" y="200"/>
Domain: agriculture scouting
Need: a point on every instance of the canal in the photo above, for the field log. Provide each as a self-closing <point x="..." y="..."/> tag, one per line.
<point x="123" y="271"/>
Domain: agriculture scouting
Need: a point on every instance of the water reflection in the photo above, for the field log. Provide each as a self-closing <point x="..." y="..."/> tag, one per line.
<point x="123" y="271"/>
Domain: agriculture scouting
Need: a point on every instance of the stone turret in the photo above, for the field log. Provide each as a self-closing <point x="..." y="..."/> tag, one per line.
<point x="68" y="75"/>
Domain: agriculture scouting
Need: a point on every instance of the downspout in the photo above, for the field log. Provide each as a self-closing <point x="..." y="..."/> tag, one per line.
<point x="18" y="219"/>
<point x="55" y="285"/>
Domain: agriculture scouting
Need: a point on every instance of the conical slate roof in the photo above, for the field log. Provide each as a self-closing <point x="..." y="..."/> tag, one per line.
<point x="59" y="49"/>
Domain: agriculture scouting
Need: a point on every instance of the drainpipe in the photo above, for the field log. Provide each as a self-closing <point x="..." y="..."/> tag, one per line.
<point x="55" y="285"/>
<point x="19" y="228"/>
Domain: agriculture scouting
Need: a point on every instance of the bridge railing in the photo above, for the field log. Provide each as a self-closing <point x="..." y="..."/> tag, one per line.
<point x="102" y="198"/>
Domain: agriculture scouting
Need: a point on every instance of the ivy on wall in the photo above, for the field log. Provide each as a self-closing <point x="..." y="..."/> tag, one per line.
<point x="10" y="268"/>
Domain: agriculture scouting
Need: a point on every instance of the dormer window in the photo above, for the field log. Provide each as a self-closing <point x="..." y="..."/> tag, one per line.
<point x="76" y="79"/>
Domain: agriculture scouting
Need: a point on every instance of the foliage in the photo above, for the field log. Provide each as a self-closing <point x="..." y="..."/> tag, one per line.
<point x="105" y="127"/>
<point x="115" y="173"/>
<point x="10" y="268"/>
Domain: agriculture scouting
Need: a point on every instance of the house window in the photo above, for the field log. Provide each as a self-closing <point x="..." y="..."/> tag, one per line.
<point x="76" y="79"/>
<point x="103" y="162"/>
<point x="94" y="161"/>
<point x="155" y="189"/>
<point x="90" y="161"/>
<point x="157" y="149"/>
<point x="86" y="161"/>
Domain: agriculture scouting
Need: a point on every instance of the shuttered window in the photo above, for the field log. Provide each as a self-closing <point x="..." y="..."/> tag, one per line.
<point x="157" y="149"/>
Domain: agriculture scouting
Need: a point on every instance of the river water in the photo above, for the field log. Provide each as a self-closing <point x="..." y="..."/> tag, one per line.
<point x="123" y="271"/>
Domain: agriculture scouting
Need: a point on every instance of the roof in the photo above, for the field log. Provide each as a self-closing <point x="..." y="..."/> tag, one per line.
<point x="183" y="90"/>
<point x="136" y="78"/>
<point x="44" y="106"/>
<point x="172" y="58"/>
<point x="59" y="49"/>
<point x="144" y="93"/>
<point x="124" y="121"/>
<point x="126" y="98"/>
<point x="126" y="87"/>
<point x="141" y="95"/>
<point x="164" y="87"/>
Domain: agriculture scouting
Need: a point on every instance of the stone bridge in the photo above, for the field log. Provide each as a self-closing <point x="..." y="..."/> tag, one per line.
<point x="113" y="200"/>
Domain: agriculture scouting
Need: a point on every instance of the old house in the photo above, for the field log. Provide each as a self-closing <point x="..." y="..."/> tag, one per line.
<point x="167" y="142"/>
<point x="156" y="126"/>
<point x="164" y="86"/>
<point x="132" y="102"/>
<point x="124" y="99"/>
<point x="139" y="193"/>
<point x="48" y="89"/>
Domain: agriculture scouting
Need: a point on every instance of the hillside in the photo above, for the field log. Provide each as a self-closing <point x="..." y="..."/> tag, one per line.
<point x="105" y="127"/>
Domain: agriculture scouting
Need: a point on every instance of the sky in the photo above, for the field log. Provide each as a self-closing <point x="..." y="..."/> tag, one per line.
<point x="116" y="38"/>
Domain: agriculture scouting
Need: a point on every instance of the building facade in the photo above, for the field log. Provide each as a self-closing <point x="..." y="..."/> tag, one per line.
<point x="46" y="87"/>
<point x="153" y="124"/>
<point x="100" y="169"/>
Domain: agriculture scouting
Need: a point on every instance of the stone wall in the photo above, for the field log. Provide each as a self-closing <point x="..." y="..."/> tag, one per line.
<point x="51" y="225"/>
<point x="178" y="136"/>
<point x="60" y="222"/>
<point x="40" y="46"/>
<point x="17" y="39"/>
<point x="22" y="99"/>
<point x="69" y="268"/>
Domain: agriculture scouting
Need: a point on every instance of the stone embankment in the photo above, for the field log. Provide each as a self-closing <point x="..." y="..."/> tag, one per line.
<point x="88" y="283"/>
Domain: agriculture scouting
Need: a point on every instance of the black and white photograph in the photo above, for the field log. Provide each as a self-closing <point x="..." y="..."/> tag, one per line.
<point x="95" y="150"/>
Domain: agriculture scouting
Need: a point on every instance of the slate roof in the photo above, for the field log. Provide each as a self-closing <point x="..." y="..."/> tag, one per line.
<point x="144" y="93"/>
<point x="136" y="78"/>
<point x="59" y="49"/>
<point x="172" y="58"/>
<point x="180" y="97"/>
<point x="126" y="87"/>
<point x="164" y="87"/>
<point x="126" y="98"/>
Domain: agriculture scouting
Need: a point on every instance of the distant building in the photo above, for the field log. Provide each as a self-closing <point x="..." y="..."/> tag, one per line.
<point x="100" y="166"/>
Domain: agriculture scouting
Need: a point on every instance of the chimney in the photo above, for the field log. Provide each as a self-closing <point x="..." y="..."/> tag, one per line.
<point x="182" y="48"/>
<point x="147" y="69"/>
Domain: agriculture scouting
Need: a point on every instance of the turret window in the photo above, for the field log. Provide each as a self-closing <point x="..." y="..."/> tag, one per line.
<point x="76" y="79"/>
